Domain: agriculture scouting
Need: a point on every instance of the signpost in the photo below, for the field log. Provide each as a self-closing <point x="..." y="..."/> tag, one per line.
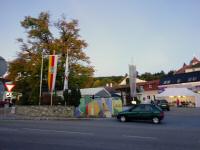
<point x="9" y="87"/>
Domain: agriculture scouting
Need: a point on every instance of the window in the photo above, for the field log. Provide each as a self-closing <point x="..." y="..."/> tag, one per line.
<point x="148" y="108"/>
<point x="194" y="78"/>
<point x="141" y="88"/>
<point x="168" y="81"/>
<point x="190" y="79"/>
<point x="150" y="86"/>
<point x="139" y="108"/>
<point x="178" y="80"/>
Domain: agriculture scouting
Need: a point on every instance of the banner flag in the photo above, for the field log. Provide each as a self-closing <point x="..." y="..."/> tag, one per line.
<point x="66" y="75"/>
<point x="53" y="59"/>
<point x="132" y="80"/>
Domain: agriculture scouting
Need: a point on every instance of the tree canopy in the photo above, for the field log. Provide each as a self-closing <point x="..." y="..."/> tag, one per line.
<point x="44" y="36"/>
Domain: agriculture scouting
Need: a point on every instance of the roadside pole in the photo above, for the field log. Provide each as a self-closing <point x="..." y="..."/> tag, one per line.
<point x="41" y="72"/>
<point x="51" y="98"/>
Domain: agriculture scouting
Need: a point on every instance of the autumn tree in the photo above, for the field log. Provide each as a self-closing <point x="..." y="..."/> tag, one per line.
<point x="41" y="41"/>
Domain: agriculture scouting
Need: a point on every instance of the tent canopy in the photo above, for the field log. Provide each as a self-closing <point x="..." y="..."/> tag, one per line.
<point x="180" y="92"/>
<point x="176" y="92"/>
<point x="97" y="92"/>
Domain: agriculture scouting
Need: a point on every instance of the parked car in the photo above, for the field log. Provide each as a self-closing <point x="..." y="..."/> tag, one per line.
<point x="163" y="104"/>
<point x="142" y="112"/>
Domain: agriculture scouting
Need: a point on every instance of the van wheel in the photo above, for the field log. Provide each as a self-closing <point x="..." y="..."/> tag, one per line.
<point x="155" y="120"/>
<point x="122" y="118"/>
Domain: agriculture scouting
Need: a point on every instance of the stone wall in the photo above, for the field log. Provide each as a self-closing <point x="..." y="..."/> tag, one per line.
<point x="45" y="111"/>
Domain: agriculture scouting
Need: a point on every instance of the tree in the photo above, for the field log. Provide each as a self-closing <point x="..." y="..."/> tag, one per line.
<point x="25" y="70"/>
<point x="66" y="96"/>
<point x="149" y="76"/>
<point x="74" y="97"/>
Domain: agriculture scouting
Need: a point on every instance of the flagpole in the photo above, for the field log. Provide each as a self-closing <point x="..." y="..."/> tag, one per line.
<point x="65" y="87"/>
<point x="41" y="81"/>
<point x="51" y="98"/>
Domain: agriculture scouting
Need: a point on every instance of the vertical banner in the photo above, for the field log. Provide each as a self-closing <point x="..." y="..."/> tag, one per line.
<point x="66" y="75"/>
<point x="53" y="59"/>
<point x="132" y="80"/>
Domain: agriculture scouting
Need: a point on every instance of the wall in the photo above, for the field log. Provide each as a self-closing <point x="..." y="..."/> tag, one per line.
<point x="45" y="111"/>
<point x="99" y="107"/>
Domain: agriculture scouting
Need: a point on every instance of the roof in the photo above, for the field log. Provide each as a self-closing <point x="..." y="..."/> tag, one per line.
<point x="98" y="92"/>
<point x="194" y="63"/>
<point x="176" y="92"/>
<point x="137" y="81"/>
<point x="181" y="78"/>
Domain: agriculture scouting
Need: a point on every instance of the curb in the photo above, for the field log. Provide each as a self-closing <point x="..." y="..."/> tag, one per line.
<point x="48" y="118"/>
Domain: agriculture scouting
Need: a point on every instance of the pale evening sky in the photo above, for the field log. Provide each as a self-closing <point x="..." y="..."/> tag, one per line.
<point x="153" y="34"/>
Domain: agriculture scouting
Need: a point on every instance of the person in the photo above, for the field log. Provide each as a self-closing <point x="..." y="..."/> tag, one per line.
<point x="177" y="102"/>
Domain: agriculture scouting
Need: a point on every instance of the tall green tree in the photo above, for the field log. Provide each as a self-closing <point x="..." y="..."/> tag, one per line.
<point x="41" y="41"/>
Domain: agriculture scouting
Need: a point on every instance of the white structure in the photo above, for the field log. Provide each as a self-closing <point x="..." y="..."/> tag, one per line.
<point x="183" y="94"/>
<point x="132" y="80"/>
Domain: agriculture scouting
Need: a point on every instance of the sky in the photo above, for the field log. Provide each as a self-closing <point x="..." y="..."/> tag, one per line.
<point x="154" y="35"/>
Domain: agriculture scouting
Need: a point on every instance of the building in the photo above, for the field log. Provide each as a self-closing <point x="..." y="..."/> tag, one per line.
<point x="188" y="76"/>
<point x="193" y="66"/>
<point x="190" y="80"/>
<point x="144" y="89"/>
<point x="148" y="89"/>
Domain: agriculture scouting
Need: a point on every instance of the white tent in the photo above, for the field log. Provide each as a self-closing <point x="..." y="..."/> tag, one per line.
<point x="180" y="92"/>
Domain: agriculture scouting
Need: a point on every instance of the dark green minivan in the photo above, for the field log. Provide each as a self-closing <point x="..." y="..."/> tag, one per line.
<point x="142" y="112"/>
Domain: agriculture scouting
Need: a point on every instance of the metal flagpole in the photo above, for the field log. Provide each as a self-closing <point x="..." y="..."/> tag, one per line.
<point x="66" y="75"/>
<point x="41" y="81"/>
<point x="51" y="97"/>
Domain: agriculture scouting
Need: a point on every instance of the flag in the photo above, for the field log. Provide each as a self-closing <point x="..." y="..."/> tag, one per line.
<point x="66" y="75"/>
<point x="52" y="71"/>
<point x="132" y="80"/>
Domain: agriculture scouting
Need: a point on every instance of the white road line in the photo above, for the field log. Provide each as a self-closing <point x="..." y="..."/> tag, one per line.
<point x="8" y="129"/>
<point x="58" y="131"/>
<point x="140" y="137"/>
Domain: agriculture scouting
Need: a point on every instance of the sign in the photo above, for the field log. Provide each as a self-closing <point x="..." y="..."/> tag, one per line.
<point x="8" y="94"/>
<point x="9" y="87"/>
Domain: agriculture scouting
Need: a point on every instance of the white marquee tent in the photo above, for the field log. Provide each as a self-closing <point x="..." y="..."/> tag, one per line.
<point x="176" y="92"/>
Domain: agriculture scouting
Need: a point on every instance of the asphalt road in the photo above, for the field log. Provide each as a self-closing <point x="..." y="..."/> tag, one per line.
<point x="180" y="130"/>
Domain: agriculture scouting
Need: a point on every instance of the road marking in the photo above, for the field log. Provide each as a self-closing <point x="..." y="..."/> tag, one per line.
<point x="8" y="129"/>
<point x="59" y="131"/>
<point x="140" y="137"/>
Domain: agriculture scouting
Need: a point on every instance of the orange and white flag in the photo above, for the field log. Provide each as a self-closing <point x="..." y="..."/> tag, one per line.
<point x="53" y="59"/>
